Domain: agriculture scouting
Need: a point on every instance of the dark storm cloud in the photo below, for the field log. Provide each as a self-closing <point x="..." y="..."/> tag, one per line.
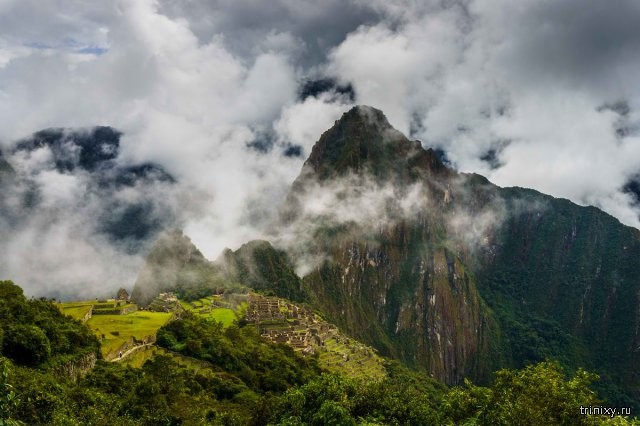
<point x="244" y="24"/>
<point x="584" y="43"/>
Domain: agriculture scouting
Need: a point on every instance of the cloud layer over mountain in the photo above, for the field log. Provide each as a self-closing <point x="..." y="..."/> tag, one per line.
<point x="532" y="93"/>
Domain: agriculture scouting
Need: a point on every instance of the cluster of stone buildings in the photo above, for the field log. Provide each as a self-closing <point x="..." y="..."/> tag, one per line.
<point x="283" y="322"/>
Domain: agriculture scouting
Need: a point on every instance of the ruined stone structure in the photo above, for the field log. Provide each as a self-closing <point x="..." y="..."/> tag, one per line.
<point x="282" y="322"/>
<point x="122" y="295"/>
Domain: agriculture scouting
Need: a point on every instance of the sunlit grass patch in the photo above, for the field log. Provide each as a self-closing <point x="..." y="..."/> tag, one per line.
<point x="118" y="329"/>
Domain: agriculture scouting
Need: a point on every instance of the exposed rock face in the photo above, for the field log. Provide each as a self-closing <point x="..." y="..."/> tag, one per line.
<point x="472" y="277"/>
<point x="397" y="285"/>
<point x="421" y="307"/>
<point x="77" y="368"/>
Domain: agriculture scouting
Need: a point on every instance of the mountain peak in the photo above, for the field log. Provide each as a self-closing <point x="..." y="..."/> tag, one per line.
<point x="368" y="116"/>
<point x="362" y="140"/>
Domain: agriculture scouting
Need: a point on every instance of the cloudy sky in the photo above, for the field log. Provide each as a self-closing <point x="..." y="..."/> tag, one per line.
<point x="534" y="93"/>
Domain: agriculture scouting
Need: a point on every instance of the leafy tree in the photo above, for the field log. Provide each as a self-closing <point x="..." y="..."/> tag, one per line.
<point x="26" y="344"/>
<point x="8" y="399"/>
<point x="536" y="395"/>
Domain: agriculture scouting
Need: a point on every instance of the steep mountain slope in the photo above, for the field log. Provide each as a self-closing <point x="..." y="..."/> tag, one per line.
<point x="565" y="281"/>
<point x="469" y="274"/>
<point x="257" y="264"/>
<point x="393" y="279"/>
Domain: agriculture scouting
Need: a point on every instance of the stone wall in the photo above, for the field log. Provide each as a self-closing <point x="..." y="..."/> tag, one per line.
<point x="87" y="316"/>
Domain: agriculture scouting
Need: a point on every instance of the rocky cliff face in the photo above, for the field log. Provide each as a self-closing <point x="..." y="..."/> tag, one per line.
<point x="422" y="307"/>
<point x="393" y="280"/>
<point x="456" y="275"/>
<point x="77" y="368"/>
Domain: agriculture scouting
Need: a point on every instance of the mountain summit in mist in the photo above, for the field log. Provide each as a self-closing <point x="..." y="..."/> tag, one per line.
<point x="448" y="272"/>
<point x="363" y="141"/>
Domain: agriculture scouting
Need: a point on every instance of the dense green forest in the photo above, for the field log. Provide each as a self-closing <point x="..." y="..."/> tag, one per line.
<point x="208" y="374"/>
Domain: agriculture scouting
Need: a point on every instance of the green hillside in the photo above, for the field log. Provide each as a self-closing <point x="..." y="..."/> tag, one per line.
<point x="209" y="374"/>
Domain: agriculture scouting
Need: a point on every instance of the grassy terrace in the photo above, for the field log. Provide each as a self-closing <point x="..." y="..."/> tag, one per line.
<point x="350" y="359"/>
<point x="76" y="311"/>
<point x="337" y="355"/>
<point x="224" y="315"/>
<point x="119" y="329"/>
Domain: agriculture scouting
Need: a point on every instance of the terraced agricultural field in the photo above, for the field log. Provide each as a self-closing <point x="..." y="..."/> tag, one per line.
<point x="76" y="310"/>
<point x="138" y="358"/>
<point x="119" y="329"/>
<point x="224" y="315"/>
<point x="79" y="310"/>
<point x="205" y="308"/>
<point x="351" y="359"/>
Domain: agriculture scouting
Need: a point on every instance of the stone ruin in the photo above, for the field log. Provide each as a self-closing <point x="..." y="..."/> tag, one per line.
<point x="122" y="295"/>
<point x="282" y="322"/>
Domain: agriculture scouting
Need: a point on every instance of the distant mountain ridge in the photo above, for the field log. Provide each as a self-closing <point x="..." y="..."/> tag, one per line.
<point x="452" y="274"/>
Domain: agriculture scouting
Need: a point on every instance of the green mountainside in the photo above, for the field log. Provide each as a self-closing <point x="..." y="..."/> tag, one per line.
<point x="257" y="264"/>
<point x="565" y="282"/>
<point x="441" y="270"/>
<point x="476" y="278"/>
<point x="175" y="264"/>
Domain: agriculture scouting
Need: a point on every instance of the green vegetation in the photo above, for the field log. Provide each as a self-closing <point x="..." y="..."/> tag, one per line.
<point x="261" y="267"/>
<point x="239" y="351"/>
<point x="225" y="316"/>
<point x="119" y="329"/>
<point x="564" y="284"/>
<point x="77" y="310"/>
<point x="36" y="333"/>
<point x="208" y="374"/>
<point x="537" y="395"/>
<point x="139" y="357"/>
<point x="351" y="359"/>
<point x="176" y="265"/>
<point x="205" y="308"/>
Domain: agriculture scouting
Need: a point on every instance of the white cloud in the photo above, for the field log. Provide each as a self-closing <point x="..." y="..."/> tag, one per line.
<point x="190" y="84"/>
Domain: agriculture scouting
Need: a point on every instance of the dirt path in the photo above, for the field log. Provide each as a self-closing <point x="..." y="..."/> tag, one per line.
<point x="129" y="352"/>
